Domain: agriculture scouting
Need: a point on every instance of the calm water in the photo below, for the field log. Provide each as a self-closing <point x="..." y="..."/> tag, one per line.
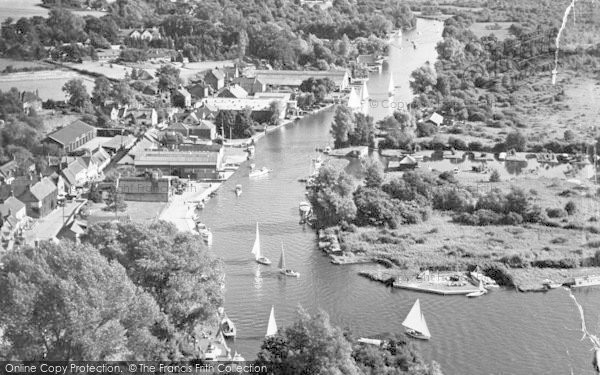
<point x="502" y="333"/>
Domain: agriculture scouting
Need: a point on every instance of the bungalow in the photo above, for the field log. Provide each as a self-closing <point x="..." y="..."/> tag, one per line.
<point x="71" y="136"/>
<point x="233" y="91"/>
<point x="215" y="78"/>
<point x="181" y="98"/>
<point x="436" y="119"/>
<point x="39" y="198"/>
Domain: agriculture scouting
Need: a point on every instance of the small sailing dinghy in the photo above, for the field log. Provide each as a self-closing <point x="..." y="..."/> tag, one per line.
<point x="272" y="326"/>
<point x="391" y="87"/>
<point x="282" y="269"/>
<point x="259" y="172"/>
<point x="238" y="190"/>
<point x="415" y="323"/>
<point x="256" y="250"/>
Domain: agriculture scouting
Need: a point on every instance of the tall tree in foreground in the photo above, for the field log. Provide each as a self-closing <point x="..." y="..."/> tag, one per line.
<point x="77" y="94"/>
<point x="67" y="302"/>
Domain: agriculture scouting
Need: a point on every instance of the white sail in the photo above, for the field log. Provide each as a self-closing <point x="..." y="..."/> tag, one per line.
<point x="391" y="87"/>
<point x="272" y="327"/>
<point x="256" y="247"/>
<point x="416" y="321"/>
<point x="282" y="259"/>
<point x="364" y="93"/>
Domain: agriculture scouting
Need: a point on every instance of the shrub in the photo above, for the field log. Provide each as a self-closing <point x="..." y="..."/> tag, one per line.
<point x="475" y="146"/>
<point x="512" y="218"/>
<point x="570" y="208"/>
<point x="495" y="176"/>
<point x="457" y="143"/>
<point x="556" y="212"/>
<point x="426" y="129"/>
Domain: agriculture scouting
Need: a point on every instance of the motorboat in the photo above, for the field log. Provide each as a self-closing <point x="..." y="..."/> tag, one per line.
<point x="479" y="292"/>
<point x="227" y="327"/>
<point x="257" y="252"/>
<point x="238" y="190"/>
<point x="272" y="325"/>
<point x="415" y="323"/>
<point x="211" y="353"/>
<point x="283" y="269"/>
<point x="327" y="150"/>
<point x="549" y="284"/>
<point x="200" y="206"/>
<point x="260" y="172"/>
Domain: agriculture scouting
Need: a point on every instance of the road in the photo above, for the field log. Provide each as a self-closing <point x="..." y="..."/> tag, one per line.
<point x="48" y="227"/>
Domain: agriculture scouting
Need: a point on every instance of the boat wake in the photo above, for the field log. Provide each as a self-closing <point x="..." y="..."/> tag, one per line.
<point x="586" y="334"/>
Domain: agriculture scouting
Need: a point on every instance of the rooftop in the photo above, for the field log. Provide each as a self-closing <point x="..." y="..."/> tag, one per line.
<point x="295" y="77"/>
<point x="179" y="158"/>
<point x="71" y="132"/>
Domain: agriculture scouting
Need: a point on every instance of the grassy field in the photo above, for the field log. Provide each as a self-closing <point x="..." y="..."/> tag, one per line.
<point x="441" y="244"/>
<point x="49" y="83"/>
<point x="23" y="8"/>
<point x="481" y="29"/>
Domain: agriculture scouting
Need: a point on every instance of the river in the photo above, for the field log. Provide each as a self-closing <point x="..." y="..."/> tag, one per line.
<point x="504" y="332"/>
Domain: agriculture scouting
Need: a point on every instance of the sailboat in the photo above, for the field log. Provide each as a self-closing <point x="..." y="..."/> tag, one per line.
<point x="227" y="326"/>
<point x="256" y="250"/>
<point x="272" y="326"/>
<point x="238" y="190"/>
<point x="283" y="269"/>
<point x="415" y="323"/>
<point x="391" y="87"/>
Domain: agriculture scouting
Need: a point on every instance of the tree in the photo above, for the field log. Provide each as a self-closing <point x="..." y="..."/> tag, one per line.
<point x="331" y="196"/>
<point x="363" y="132"/>
<point x="275" y="108"/>
<point x="168" y="78"/>
<point x="123" y="94"/>
<point x="515" y="140"/>
<point x="374" y="174"/>
<point x="343" y="124"/>
<point x="175" y="268"/>
<point x="115" y="201"/>
<point x="570" y="208"/>
<point x="77" y="93"/>
<point x="310" y="346"/>
<point x="63" y="302"/>
<point x="569" y="135"/>
<point x="102" y="91"/>
<point x="424" y="78"/>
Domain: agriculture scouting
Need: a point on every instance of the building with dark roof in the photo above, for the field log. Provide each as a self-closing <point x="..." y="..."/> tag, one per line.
<point x="72" y="136"/>
<point x="215" y="78"/>
<point x="293" y="78"/>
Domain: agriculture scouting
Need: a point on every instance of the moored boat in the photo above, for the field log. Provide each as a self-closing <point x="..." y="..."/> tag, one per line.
<point x="238" y="357"/>
<point x="415" y="323"/>
<point x="257" y="252"/>
<point x="227" y="327"/>
<point x="260" y="172"/>
<point x="479" y="292"/>
<point x="478" y="276"/>
<point x="238" y="190"/>
<point x="579" y="282"/>
<point x="204" y="232"/>
<point x="549" y="284"/>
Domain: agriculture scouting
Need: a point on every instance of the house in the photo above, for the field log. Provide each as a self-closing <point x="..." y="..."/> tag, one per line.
<point x="118" y="113"/>
<point x="200" y="90"/>
<point x="200" y="165"/>
<point x="215" y="78"/>
<point x="406" y="163"/>
<point x="178" y="127"/>
<point x="31" y="101"/>
<point x="436" y="119"/>
<point x="71" y="136"/>
<point x="135" y="34"/>
<point x="72" y="231"/>
<point x="149" y="188"/>
<point x="12" y="218"/>
<point x="75" y="175"/>
<point x="233" y="91"/>
<point x="207" y="112"/>
<point x="39" y="198"/>
<point x="181" y="98"/>
<point x="294" y="78"/>
<point x="145" y="117"/>
<point x="150" y="34"/>
<point x="252" y="85"/>
<point x="8" y="172"/>
<point x="203" y="130"/>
